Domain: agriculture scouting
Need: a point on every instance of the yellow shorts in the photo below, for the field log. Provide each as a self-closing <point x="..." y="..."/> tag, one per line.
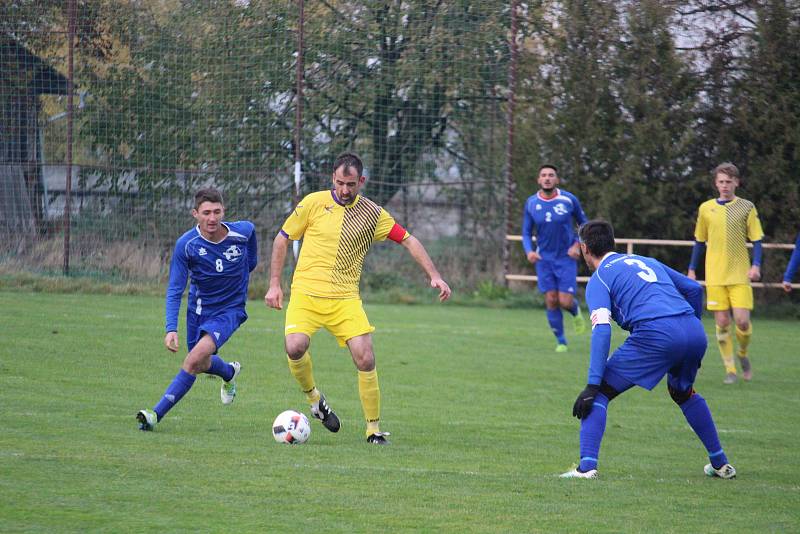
<point x="344" y="318"/>
<point x="720" y="298"/>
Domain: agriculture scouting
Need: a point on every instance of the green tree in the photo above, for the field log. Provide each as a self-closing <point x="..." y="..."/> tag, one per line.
<point x="572" y="117"/>
<point x="194" y="93"/>
<point x="390" y="79"/>
<point x="658" y="99"/>
<point x="765" y="127"/>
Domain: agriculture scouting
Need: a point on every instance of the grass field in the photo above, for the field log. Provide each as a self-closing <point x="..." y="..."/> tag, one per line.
<point x="477" y="402"/>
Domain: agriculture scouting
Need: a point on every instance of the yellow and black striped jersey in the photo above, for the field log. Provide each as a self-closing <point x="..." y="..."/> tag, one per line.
<point x="336" y="238"/>
<point x="725" y="228"/>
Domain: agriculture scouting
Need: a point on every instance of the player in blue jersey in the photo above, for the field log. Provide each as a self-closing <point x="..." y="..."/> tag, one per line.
<point x="552" y="213"/>
<point x="791" y="268"/>
<point x="661" y="309"/>
<point x="218" y="257"/>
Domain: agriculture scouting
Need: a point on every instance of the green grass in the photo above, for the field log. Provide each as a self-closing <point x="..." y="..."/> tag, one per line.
<point x="477" y="402"/>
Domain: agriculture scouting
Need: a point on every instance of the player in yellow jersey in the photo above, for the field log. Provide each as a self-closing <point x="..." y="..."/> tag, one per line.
<point x="724" y="225"/>
<point x="337" y="226"/>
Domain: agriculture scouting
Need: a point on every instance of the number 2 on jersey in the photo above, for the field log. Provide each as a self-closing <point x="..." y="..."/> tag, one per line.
<point x="647" y="274"/>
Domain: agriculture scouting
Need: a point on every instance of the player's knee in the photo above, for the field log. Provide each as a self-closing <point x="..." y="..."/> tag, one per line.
<point x="723" y="333"/>
<point x="680" y="396"/>
<point x="195" y="365"/>
<point x="296" y="346"/>
<point x="723" y="322"/>
<point x="364" y="361"/>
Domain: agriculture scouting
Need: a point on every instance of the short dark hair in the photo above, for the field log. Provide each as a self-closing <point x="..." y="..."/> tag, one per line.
<point x="349" y="161"/>
<point x="598" y="236"/>
<point x="547" y="166"/>
<point x="207" y="194"/>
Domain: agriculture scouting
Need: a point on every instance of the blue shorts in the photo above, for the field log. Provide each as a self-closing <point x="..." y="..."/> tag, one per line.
<point x="674" y="346"/>
<point x="219" y="326"/>
<point x="557" y="275"/>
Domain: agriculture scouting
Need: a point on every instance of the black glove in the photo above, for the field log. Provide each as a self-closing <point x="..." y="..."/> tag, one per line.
<point x="583" y="404"/>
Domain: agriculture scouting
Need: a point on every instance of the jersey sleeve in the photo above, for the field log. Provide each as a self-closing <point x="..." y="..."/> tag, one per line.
<point x="579" y="214"/>
<point x="178" y="275"/>
<point x="754" y="230"/>
<point x="296" y="224"/>
<point x="252" y="249"/>
<point x="388" y="227"/>
<point x="701" y="228"/>
<point x="794" y="261"/>
<point x="598" y="299"/>
<point x="692" y="291"/>
<point x="528" y="226"/>
<point x="697" y="250"/>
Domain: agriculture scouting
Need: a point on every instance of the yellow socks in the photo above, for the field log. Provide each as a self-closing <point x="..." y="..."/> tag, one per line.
<point x="303" y="371"/>
<point x="726" y="348"/>
<point x="743" y="337"/>
<point x="370" y="395"/>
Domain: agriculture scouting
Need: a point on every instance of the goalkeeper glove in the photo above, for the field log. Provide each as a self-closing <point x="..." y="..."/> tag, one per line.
<point x="583" y="404"/>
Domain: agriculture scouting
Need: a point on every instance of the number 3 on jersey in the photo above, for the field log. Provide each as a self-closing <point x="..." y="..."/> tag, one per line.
<point x="647" y="274"/>
<point x="219" y="265"/>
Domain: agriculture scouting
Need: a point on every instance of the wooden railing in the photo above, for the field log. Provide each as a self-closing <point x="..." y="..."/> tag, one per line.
<point x="629" y="244"/>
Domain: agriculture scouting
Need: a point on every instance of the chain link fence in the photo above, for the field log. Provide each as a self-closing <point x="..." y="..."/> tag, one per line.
<point x="168" y="97"/>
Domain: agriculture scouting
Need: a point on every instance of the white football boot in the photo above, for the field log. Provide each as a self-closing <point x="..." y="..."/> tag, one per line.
<point x="727" y="471"/>
<point x="227" y="391"/>
<point x="591" y="473"/>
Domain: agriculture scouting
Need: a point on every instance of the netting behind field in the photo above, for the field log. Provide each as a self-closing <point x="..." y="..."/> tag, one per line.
<point x="172" y="96"/>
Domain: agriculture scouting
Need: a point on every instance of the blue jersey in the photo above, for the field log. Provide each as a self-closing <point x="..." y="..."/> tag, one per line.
<point x="553" y="221"/>
<point x="794" y="262"/>
<point x="632" y="289"/>
<point x="220" y="272"/>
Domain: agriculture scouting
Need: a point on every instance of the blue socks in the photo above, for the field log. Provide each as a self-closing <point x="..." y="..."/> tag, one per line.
<point x="556" y="321"/>
<point x="574" y="309"/>
<point x="695" y="410"/>
<point x="180" y="385"/>
<point x="220" y="368"/>
<point x="592" y="430"/>
<point x="699" y="418"/>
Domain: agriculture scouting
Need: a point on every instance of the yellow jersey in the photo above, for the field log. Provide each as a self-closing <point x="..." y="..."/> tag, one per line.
<point x="336" y="238"/>
<point x="725" y="228"/>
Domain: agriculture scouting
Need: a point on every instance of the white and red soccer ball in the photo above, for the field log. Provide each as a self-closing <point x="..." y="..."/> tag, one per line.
<point x="291" y="427"/>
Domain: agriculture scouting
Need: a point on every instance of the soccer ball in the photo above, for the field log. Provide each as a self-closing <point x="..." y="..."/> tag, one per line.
<point x="291" y="427"/>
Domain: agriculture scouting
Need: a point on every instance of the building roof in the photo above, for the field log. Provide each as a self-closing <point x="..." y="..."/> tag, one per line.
<point x="19" y="65"/>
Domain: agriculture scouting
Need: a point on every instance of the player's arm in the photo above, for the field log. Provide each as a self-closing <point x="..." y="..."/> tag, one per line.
<point x="178" y="276"/>
<point x="754" y="274"/>
<point x="252" y="250"/>
<point x="274" y="296"/>
<point x="578" y="213"/>
<point x="294" y="228"/>
<point x="420" y="255"/>
<point x="697" y="253"/>
<point x="528" y="226"/>
<point x="580" y="217"/>
<point x="791" y="268"/>
<point x="690" y="289"/>
<point x="700" y="238"/>
<point x="755" y="234"/>
<point x="599" y="302"/>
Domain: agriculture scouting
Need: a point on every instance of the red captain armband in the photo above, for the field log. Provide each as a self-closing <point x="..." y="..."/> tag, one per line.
<point x="397" y="233"/>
